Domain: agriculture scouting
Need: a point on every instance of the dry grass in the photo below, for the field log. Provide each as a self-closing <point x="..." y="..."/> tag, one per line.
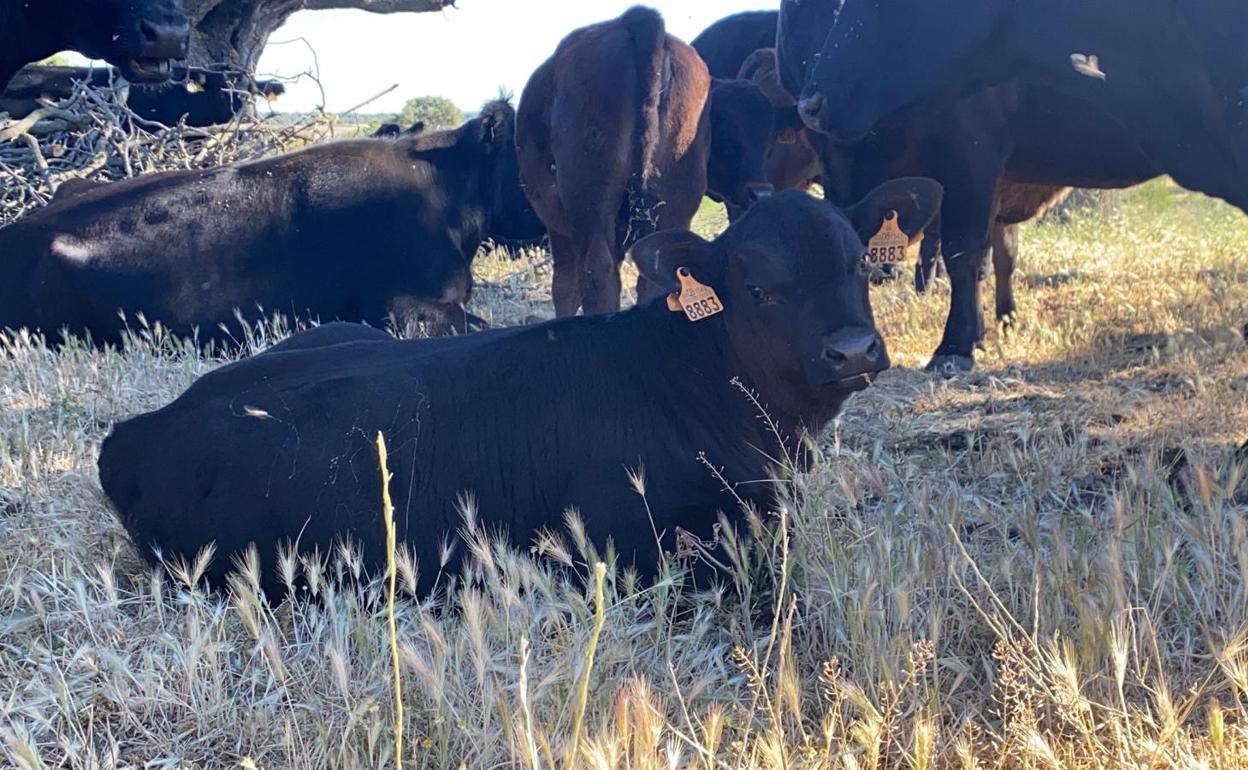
<point x="1013" y="568"/>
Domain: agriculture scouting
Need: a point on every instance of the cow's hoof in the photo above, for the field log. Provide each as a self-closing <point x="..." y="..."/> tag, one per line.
<point x="949" y="364"/>
<point x="1007" y="322"/>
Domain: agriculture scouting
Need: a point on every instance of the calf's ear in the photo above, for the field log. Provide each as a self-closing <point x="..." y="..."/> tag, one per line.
<point x="660" y="255"/>
<point x="916" y="200"/>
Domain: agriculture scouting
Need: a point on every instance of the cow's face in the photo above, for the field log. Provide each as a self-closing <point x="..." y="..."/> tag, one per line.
<point x="511" y="215"/>
<point x="141" y="37"/>
<point x="884" y="56"/>
<point x="791" y="277"/>
<point x="793" y="158"/>
<point x="803" y="25"/>
<point x="743" y="127"/>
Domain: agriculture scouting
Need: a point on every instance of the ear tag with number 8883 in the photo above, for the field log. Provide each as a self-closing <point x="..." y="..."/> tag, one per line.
<point x="888" y="246"/>
<point x="697" y="300"/>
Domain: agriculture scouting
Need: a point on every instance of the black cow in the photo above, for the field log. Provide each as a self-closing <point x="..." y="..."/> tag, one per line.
<point x="1173" y="73"/>
<point x="728" y="42"/>
<point x="198" y="96"/>
<point x="394" y="130"/>
<point x="202" y="97"/>
<point x="621" y="132"/>
<point x="355" y="230"/>
<point x="977" y="148"/>
<point x="34" y="82"/>
<point x="279" y="448"/>
<point x="139" y="36"/>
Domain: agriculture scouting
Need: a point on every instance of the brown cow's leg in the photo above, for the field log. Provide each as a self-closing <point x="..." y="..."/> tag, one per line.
<point x="1004" y="260"/>
<point x="565" y="286"/>
<point x="600" y="279"/>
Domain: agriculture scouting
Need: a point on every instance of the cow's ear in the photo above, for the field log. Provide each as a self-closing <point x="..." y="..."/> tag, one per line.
<point x="660" y="255"/>
<point x="415" y="128"/>
<point x="915" y="199"/>
<point x="498" y="121"/>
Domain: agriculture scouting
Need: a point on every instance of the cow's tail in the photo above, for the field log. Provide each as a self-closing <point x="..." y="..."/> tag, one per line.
<point x="649" y="37"/>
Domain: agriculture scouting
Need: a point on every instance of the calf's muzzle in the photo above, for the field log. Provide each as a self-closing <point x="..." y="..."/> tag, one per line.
<point x="854" y="354"/>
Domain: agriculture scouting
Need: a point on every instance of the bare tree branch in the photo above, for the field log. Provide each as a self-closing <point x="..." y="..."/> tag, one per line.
<point x="232" y="33"/>
<point x="382" y="6"/>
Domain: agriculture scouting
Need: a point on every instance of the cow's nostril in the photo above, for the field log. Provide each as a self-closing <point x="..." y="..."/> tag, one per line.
<point x="149" y="32"/>
<point x="834" y="356"/>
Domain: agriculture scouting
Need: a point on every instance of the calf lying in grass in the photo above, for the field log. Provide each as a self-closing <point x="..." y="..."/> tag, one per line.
<point x="528" y="421"/>
<point x="357" y="230"/>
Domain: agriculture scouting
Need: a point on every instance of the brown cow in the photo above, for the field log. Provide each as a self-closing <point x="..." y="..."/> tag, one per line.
<point x="792" y="162"/>
<point x="620" y="133"/>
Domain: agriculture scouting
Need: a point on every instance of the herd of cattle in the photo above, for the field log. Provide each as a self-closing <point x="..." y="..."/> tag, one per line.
<point x="950" y="122"/>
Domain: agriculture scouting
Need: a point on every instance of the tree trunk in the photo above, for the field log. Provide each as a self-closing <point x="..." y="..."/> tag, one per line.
<point x="232" y="33"/>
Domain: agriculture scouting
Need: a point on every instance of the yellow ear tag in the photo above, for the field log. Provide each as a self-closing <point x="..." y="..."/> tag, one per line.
<point x="888" y="246"/>
<point x="697" y="300"/>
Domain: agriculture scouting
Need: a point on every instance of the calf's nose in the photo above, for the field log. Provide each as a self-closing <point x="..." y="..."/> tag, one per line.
<point x="855" y="351"/>
<point x="165" y="39"/>
<point x="810" y="108"/>
<point x="758" y="190"/>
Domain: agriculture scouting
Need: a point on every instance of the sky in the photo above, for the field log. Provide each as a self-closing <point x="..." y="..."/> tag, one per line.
<point x="465" y="53"/>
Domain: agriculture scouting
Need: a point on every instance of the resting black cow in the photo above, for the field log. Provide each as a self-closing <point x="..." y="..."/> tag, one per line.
<point x="355" y="230"/>
<point x="620" y="133"/>
<point x="978" y="148"/>
<point x="202" y="97"/>
<point x="139" y="36"/>
<point x="1173" y="72"/>
<point x="279" y="448"/>
<point x="198" y="96"/>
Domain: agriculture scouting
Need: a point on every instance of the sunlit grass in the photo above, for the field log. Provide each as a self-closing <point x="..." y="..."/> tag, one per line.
<point x="1041" y="564"/>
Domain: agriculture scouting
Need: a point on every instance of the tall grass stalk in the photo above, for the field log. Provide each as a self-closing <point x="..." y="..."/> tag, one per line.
<point x="387" y="513"/>
<point x="591" y="648"/>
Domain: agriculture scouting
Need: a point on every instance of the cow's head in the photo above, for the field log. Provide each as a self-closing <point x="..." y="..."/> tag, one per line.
<point x="885" y="56"/>
<point x="743" y="127"/>
<point x="793" y="283"/>
<point x="141" y="37"/>
<point x="794" y="158"/>
<point x="511" y="215"/>
<point x="802" y="27"/>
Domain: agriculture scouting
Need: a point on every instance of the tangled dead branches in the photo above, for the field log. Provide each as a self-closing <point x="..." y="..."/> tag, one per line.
<point x="93" y="135"/>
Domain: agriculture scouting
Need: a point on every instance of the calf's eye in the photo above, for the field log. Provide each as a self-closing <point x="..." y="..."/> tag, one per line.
<point x="759" y="295"/>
